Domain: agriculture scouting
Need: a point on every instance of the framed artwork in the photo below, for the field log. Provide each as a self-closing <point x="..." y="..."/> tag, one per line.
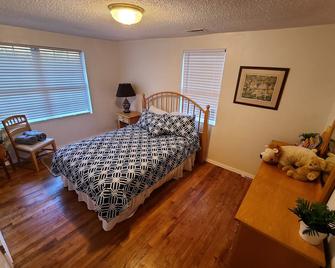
<point x="260" y="86"/>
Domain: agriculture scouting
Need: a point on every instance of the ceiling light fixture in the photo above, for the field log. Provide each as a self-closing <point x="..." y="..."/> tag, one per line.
<point x="126" y="13"/>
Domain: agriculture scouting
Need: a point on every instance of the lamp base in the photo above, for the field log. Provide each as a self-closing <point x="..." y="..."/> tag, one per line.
<point x="126" y="106"/>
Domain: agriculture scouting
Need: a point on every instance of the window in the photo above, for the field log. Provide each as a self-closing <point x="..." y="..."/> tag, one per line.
<point x="42" y="83"/>
<point x="202" y="76"/>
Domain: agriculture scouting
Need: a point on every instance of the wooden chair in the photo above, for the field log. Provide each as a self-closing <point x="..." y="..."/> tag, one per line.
<point x="4" y="157"/>
<point x="15" y="125"/>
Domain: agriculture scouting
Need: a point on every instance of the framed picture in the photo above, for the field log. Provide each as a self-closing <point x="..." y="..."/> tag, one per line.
<point x="260" y="86"/>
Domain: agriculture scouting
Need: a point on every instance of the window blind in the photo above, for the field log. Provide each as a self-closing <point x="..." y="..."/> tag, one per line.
<point x="202" y="77"/>
<point x="42" y="83"/>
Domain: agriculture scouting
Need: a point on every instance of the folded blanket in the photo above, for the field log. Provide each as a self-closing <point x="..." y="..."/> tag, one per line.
<point x="26" y="140"/>
<point x="41" y="136"/>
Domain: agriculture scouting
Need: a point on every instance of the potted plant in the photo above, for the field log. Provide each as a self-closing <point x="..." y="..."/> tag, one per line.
<point x="316" y="221"/>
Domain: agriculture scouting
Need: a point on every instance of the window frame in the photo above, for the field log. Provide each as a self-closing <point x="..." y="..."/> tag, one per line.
<point x="210" y="122"/>
<point x="85" y="76"/>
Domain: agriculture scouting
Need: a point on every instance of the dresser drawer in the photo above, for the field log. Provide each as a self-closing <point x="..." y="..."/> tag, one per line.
<point x="123" y="119"/>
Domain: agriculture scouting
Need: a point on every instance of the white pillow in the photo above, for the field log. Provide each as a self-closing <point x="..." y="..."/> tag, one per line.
<point x="177" y="113"/>
<point x="156" y="110"/>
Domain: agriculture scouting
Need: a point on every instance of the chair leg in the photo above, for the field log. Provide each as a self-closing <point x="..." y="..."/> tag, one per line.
<point x="34" y="158"/>
<point x="6" y="170"/>
<point x="10" y="161"/>
<point x="18" y="158"/>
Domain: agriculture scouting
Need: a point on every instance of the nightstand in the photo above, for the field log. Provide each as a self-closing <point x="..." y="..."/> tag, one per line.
<point x="125" y="119"/>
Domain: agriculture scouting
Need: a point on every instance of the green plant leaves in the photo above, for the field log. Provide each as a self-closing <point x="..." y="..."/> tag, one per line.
<point x="317" y="216"/>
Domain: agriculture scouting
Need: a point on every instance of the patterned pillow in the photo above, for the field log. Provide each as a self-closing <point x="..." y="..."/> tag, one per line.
<point x="156" y="126"/>
<point x="180" y="125"/>
<point x="160" y="124"/>
<point x="152" y="122"/>
<point x="144" y="120"/>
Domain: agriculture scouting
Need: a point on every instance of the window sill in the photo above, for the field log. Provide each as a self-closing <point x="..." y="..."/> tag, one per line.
<point x="58" y="117"/>
<point x="40" y="120"/>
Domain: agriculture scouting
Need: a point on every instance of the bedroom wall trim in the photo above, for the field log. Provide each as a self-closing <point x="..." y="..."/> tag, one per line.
<point x="238" y="171"/>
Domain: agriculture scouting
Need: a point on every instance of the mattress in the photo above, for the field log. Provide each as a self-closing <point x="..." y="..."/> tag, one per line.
<point x="113" y="168"/>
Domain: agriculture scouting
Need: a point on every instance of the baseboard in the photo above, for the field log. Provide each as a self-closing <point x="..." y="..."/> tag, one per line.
<point x="238" y="171"/>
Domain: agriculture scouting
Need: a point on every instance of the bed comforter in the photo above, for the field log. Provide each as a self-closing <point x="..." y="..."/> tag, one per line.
<point x="115" y="167"/>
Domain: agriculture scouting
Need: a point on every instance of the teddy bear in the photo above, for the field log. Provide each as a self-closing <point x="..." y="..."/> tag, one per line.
<point x="310" y="172"/>
<point x="299" y="162"/>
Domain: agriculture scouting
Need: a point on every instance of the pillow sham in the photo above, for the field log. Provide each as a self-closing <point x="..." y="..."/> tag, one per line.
<point x="156" y="126"/>
<point x="180" y="125"/>
<point x="145" y="119"/>
<point x="168" y="124"/>
<point x="152" y="122"/>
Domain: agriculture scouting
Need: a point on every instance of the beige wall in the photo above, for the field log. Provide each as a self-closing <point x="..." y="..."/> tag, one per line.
<point x="155" y="64"/>
<point x="331" y="116"/>
<point x="242" y="131"/>
<point x="103" y="74"/>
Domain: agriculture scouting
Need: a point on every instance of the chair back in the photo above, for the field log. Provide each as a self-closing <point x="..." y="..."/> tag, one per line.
<point x="15" y="125"/>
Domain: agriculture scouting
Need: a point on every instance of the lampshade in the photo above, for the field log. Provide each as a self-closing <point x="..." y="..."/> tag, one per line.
<point x="125" y="90"/>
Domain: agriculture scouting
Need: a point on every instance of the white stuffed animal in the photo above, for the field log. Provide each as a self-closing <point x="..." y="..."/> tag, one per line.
<point x="296" y="156"/>
<point x="299" y="162"/>
<point x="288" y="156"/>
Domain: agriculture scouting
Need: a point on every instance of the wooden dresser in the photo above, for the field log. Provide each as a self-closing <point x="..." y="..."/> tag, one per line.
<point x="268" y="234"/>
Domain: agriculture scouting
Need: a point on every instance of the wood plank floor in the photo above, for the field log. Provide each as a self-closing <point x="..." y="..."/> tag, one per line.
<point x="185" y="223"/>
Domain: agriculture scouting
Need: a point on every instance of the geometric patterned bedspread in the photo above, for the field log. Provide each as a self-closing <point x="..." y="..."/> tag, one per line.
<point x="115" y="167"/>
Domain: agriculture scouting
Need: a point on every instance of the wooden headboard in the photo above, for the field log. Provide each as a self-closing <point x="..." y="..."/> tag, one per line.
<point x="175" y="102"/>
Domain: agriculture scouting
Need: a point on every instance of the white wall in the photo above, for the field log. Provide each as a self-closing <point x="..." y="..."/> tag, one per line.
<point x="242" y="131"/>
<point x="103" y="73"/>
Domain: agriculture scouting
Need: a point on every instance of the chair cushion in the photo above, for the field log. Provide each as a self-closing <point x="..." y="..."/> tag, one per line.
<point x="34" y="147"/>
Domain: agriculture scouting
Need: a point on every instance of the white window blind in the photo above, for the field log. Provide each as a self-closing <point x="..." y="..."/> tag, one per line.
<point x="202" y="77"/>
<point x="42" y="83"/>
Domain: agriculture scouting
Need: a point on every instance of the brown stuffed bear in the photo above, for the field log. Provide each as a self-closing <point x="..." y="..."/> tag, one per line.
<point x="310" y="172"/>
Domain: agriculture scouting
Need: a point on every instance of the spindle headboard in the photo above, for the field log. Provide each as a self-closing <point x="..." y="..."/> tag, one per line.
<point x="175" y="102"/>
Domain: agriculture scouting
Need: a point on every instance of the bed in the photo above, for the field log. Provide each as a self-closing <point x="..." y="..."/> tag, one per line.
<point x="115" y="172"/>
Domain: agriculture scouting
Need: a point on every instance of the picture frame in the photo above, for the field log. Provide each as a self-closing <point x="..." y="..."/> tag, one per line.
<point x="260" y="86"/>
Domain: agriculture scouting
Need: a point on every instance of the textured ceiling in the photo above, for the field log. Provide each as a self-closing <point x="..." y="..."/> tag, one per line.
<point x="165" y="18"/>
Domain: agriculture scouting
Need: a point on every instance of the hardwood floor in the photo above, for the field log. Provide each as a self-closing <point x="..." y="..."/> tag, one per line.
<point x="184" y="223"/>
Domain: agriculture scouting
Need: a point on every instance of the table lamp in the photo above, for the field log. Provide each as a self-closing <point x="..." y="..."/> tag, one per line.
<point x="125" y="90"/>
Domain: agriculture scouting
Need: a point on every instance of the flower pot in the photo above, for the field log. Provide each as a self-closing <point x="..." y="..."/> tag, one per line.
<point x="312" y="239"/>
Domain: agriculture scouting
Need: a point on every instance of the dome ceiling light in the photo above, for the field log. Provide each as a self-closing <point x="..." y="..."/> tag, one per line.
<point x="127" y="14"/>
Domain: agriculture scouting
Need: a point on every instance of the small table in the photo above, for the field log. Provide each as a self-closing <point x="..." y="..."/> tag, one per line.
<point x="125" y="119"/>
<point x="4" y="157"/>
